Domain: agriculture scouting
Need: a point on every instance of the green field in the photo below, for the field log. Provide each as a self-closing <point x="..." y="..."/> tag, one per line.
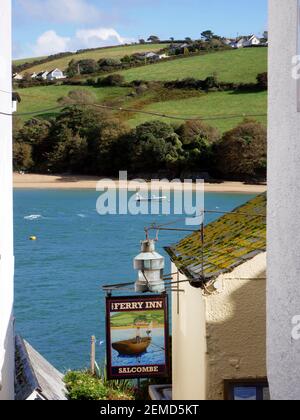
<point x="209" y="105"/>
<point x="125" y="319"/>
<point x="114" y="52"/>
<point x="36" y="99"/>
<point x="21" y="61"/>
<point x="231" y="66"/>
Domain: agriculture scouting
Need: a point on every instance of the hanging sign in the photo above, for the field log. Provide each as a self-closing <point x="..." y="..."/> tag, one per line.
<point x="137" y="337"/>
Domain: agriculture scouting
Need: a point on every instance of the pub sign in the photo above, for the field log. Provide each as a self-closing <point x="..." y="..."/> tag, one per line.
<point x="137" y="337"/>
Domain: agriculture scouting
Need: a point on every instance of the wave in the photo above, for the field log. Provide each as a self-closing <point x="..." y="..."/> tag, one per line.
<point x="33" y="217"/>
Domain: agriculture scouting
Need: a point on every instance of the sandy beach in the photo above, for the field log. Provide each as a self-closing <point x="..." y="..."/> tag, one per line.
<point x="35" y="181"/>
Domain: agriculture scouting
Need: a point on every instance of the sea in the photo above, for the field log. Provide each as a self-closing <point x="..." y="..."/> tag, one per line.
<point x="59" y="301"/>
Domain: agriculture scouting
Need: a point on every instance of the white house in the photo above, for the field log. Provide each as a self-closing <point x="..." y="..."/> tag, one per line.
<point x="33" y="75"/>
<point x="42" y="75"/>
<point x="253" y="40"/>
<point x="55" y="74"/>
<point x="6" y="210"/>
<point x="163" y="56"/>
<point x="246" y="41"/>
<point x="18" y="76"/>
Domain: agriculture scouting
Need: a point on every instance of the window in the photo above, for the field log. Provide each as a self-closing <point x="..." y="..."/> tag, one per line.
<point x="247" y="390"/>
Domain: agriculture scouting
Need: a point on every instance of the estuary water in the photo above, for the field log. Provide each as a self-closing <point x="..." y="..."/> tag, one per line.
<point x="59" y="303"/>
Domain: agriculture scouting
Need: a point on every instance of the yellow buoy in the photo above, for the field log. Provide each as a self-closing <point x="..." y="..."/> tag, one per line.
<point x="33" y="238"/>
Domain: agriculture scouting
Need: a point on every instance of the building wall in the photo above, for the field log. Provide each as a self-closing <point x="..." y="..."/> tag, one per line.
<point x="220" y="336"/>
<point x="283" y="202"/>
<point x="6" y="224"/>
<point x="236" y="327"/>
<point x="188" y="343"/>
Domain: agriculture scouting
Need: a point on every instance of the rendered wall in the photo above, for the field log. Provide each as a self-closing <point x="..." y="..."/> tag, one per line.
<point x="6" y="224"/>
<point x="283" y="203"/>
<point x="220" y="336"/>
<point x="236" y="327"/>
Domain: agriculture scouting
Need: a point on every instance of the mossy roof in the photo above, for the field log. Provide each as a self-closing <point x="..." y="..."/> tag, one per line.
<point x="229" y="242"/>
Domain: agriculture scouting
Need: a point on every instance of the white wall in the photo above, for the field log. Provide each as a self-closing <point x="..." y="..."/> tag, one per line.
<point x="188" y="343"/>
<point x="6" y="224"/>
<point x="283" y="203"/>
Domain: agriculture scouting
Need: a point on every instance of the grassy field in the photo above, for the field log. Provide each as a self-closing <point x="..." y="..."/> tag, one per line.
<point x="209" y="105"/>
<point x="231" y="66"/>
<point x="115" y="52"/>
<point x="37" y="98"/>
<point x="127" y="319"/>
<point x="21" y="61"/>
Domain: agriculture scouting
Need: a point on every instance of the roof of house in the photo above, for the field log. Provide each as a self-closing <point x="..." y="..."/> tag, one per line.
<point x="229" y="241"/>
<point x="41" y="73"/>
<point x="52" y="71"/>
<point x="35" y="377"/>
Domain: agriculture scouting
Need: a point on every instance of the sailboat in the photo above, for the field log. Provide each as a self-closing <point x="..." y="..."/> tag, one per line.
<point x="140" y="198"/>
<point x="137" y="345"/>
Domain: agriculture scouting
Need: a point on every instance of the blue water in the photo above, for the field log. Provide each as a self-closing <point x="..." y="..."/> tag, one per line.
<point x="59" y="303"/>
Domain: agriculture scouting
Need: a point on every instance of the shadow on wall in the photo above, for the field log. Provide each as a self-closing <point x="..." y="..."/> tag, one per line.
<point x="237" y="345"/>
<point x="7" y="370"/>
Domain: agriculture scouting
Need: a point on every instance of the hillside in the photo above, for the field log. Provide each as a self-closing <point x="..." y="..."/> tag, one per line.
<point x="231" y="66"/>
<point x="116" y="52"/>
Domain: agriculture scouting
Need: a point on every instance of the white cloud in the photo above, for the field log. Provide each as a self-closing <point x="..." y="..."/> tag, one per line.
<point x="50" y="42"/>
<point x="93" y="38"/>
<point x="79" y="11"/>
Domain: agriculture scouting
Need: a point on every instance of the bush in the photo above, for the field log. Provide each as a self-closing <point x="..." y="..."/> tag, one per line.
<point x="83" y="386"/>
<point x="112" y="80"/>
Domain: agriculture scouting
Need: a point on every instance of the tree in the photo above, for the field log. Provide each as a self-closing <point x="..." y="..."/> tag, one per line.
<point x="70" y="153"/>
<point x="35" y="133"/>
<point x="155" y="146"/>
<point x="243" y="151"/>
<point x="198" y="139"/>
<point x="154" y="39"/>
<point x="188" y="40"/>
<point x="110" y="62"/>
<point x="207" y="35"/>
<point x="22" y="156"/>
<point x="172" y="39"/>
<point x="142" y="41"/>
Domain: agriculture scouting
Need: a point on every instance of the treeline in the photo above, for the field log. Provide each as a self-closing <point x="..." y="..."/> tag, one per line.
<point x="209" y="84"/>
<point x="85" y="141"/>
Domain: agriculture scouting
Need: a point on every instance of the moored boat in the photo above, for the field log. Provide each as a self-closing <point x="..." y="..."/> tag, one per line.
<point x="133" y="347"/>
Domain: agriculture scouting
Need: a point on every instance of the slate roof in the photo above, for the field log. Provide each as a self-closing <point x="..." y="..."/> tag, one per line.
<point x="228" y="242"/>
<point x="35" y="378"/>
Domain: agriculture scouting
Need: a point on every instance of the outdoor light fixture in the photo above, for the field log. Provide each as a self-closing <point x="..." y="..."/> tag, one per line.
<point x="150" y="265"/>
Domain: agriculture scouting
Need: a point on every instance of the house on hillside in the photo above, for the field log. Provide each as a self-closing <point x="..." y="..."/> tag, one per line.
<point x="219" y="312"/>
<point x="33" y="75"/>
<point x="245" y="41"/>
<point x="42" y="75"/>
<point x="17" y="76"/>
<point x="55" y="74"/>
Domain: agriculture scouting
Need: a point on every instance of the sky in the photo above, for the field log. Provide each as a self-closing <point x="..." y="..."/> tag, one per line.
<point x="43" y="27"/>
